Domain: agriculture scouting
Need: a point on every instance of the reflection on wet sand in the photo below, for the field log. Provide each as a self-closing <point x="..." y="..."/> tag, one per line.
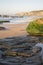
<point x="13" y="30"/>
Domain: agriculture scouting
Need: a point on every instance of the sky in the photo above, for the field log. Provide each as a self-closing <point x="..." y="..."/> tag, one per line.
<point x="14" y="6"/>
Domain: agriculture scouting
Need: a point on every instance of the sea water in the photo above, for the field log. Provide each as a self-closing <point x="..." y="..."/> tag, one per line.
<point x="18" y="20"/>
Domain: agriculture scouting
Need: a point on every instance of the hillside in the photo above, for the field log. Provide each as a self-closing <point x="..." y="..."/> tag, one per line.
<point x="38" y="13"/>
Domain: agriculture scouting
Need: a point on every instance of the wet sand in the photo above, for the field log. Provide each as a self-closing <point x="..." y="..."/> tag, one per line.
<point x="13" y="30"/>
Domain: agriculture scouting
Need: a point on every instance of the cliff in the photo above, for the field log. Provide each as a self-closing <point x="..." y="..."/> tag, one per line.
<point x="38" y="13"/>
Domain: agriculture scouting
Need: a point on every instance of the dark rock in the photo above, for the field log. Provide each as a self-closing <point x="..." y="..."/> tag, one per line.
<point x="36" y="49"/>
<point x="2" y="28"/>
<point x="20" y="50"/>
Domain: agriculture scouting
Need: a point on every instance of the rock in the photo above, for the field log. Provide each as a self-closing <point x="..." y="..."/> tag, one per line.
<point x="2" y="28"/>
<point x="41" y="53"/>
<point x="36" y="49"/>
<point x="20" y="51"/>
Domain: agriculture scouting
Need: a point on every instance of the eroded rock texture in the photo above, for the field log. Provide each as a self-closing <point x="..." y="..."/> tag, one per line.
<point x="20" y="50"/>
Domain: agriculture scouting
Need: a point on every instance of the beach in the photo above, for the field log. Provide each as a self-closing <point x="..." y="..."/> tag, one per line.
<point x="16" y="45"/>
<point x="13" y="30"/>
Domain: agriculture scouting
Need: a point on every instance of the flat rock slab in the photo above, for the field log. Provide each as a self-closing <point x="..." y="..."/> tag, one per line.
<point x="22" y="44"/>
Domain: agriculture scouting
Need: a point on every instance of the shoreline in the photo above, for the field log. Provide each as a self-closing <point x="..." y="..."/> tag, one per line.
<point x="13" y="30"/>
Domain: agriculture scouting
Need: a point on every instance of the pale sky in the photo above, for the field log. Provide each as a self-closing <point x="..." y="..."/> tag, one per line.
<point x="13" y="6"/>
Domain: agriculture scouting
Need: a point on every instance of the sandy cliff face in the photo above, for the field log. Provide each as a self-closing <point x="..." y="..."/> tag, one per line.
<point x="38" y="13"/>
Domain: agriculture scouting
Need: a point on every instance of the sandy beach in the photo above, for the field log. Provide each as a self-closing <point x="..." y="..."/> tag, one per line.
<point x="13" y="30"/>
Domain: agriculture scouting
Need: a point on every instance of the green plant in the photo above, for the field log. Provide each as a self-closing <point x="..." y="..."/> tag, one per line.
<point x="35" y="27"/>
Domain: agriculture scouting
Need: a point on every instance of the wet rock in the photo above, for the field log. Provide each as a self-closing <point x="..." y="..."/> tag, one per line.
<point x="9" y="63"/>
<point x="41" y="39"/>
<point x="2" y="28"/>
<point x="1" y="53"/>
<point x="36" y="49"/>
<point x="33" y="60"/>
<point x="3" y="49"/>
<point x="20" y="50"/>
<point x="41" y="53"/>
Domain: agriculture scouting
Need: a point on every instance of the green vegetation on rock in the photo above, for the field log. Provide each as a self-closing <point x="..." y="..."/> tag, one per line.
<point x="35" y="27"/>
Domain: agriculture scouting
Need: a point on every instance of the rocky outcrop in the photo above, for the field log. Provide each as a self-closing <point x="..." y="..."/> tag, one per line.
<point x="20" y="50"/>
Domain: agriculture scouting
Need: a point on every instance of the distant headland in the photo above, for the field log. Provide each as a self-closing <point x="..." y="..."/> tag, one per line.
<point x="21" y="14"/>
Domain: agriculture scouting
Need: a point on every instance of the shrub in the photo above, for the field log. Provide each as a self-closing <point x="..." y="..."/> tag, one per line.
<point x="35" y="27"/>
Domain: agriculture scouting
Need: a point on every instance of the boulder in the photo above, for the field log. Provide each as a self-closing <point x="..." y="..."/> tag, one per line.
<point x="2" y="28"/>
<point x="35" y="27"/>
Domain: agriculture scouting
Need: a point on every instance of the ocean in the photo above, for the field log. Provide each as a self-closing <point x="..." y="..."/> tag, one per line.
<point x="19" y="20"/>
